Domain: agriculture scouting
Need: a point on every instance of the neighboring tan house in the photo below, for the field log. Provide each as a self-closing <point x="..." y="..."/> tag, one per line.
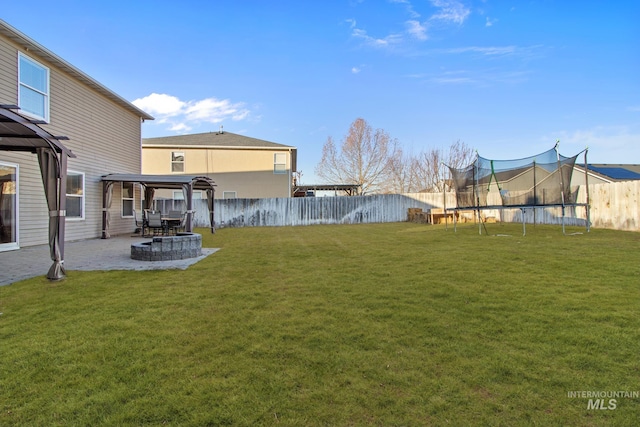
<point x="242" y="167"/>
<point x="104" y="134"/>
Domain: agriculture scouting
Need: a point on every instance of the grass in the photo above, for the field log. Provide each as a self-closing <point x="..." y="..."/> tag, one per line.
<point x="390" y="324"/>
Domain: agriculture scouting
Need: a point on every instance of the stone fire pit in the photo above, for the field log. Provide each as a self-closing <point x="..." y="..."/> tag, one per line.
<point x="167" y="248"/>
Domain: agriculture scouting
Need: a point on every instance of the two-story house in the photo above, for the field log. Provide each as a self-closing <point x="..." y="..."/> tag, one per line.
<point x="242" y="167"/>
<point x="53" y="97"/>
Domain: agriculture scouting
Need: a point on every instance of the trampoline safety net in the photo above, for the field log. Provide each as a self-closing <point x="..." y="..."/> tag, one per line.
<point x="539" y="180"/>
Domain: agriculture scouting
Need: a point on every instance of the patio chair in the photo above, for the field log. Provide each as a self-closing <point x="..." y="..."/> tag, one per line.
<point x="140" y="223"/>
<point x="176" y="223"/>
<point x="154" y="222"/>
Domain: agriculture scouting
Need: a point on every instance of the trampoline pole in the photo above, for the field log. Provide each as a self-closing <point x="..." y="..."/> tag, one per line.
<point x="455" y="228"/>
<point x="477" y="196"/>
<point x="561" y="183"/>
<point x="444" y="203"/>
<point x="586" y="186"/>
<point x="535" y="195"/>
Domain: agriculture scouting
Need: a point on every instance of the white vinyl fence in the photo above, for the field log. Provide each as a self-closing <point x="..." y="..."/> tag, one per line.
<point x="612" y="206"/>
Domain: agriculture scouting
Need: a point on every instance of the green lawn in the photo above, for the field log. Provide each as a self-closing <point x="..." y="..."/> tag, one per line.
<point x="390" y="324"/>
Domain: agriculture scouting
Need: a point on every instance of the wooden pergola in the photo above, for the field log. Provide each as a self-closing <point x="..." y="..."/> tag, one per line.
<point x="186" y="183"/>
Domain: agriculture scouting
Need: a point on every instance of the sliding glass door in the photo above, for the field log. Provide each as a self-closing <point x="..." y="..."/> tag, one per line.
<point x="8" y="206"/>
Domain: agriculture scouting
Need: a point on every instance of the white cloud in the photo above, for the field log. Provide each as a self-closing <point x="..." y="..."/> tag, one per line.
<point x="483" y="78"/>
<point x="490" y="22"/>
<point x="389" y="40"/>
<point x="454" y="77"/>
<point x="160" y="105"/>
<point x="408" y="6"/>
<point x="180" y="128"/>
<point x="450" y="11"/>
<point x="417" y="30"/>
<point x="607" y="144"/>
<point x="182" y="116"/>
<point x="447" y="11"/>
<point x="453" y="80"/>
<point x="488" y="50"/>
<point x="355" y="70"/>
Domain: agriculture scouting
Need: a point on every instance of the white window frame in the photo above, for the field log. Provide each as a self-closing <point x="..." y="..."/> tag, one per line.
<point x="14" y="245"/>
<point x="133" y="199"/>
<point x="81" y="196"/>
<point x="176" y="162"/>
<point x="229" y="195"/>
<point x="280" y="164"/>
<point x="46" y="95"/>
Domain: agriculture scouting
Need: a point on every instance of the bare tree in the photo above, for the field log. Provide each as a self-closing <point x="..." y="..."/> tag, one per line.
<point x="429" y="168"/>
<point x="297" y="177"/>
<point x="426" y="168"/>
<point x="363" y="158"/>
<point x="399" y="178"/>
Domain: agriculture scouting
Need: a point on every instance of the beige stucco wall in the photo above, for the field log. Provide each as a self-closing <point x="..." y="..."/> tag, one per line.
<point x="248" y="172"/>
<point x="104" y="136"/>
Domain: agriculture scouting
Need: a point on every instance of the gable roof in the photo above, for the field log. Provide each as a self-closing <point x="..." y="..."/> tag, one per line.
<point x="213" y="139"/>
<point x="42" y="52"/>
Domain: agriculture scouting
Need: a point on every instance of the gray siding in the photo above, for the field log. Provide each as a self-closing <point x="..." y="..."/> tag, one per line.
<point x="104" y="136"/>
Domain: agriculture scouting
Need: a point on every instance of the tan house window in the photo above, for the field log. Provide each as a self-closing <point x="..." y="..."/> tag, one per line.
<point x="75" y="195"/>
<point x="33" y="88"/>
<point x="128" y="199"/>
<point x="280" y="163"/>
<point x="228" y="194"/>
<point x="179" y="195"/>
<point x="177" y="161"/>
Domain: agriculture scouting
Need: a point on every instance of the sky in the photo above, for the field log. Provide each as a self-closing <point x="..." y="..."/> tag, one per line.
<point x="507" y="78"/>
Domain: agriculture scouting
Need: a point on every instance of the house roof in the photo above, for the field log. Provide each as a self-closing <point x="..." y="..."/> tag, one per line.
<point x="618" y="172"/>
<point x="213" y="139"/>
<point x="41" y="52"/>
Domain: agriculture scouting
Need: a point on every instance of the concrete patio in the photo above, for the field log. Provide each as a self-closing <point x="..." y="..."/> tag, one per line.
<point x="85" y="255"/>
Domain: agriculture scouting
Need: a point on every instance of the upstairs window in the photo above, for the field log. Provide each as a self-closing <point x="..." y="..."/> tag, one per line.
<point x="33" y="88"/>
<point x="280" y="163"/>
<point x="177" y="161"/>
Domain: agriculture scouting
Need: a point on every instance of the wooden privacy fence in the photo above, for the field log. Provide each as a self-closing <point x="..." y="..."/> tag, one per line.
<point x="613" y="205"/>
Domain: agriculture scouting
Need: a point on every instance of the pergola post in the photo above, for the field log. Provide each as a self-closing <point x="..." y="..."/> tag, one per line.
<point x="62" y="204"/>
<point x="107" y="193"/>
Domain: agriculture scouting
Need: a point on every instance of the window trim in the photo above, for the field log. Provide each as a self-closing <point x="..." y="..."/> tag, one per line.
<point x="46" y="95"/>
<point x="82" y="197"/>
<point x="224" y="194"/>
<point x="122" y="199"/>
<point x="277" y="171"/>
<point x="177" y="162"/>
